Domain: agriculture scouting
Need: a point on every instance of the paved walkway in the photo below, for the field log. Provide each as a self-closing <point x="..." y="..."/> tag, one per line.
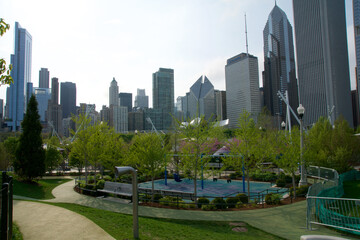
<point x="285" y="221"/>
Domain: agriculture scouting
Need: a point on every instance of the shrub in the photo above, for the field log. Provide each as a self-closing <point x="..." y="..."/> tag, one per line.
<point x="231" y="202"/>
<point x="208" y="207"/>
<point x="107" y="178"/>
<point x="233" y="175"/>
<point x="280" y="182"/>
<point x="272" y="199"/>
<point x="219" y="203"/>
<point x="157" y="197"/>
<point x="91" y="179"/>
<point x="300" y="191"/>
<point x="203" y="201"/>
<point x="165" y="200"/>
<point x="98" y="176"/>
<point x="239" y="204"/>
<point x="243" y="197"/>
<point x="100" y="184"/>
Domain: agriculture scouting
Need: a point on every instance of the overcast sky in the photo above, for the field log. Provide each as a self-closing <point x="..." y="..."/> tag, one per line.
<point x="89" y="42"/>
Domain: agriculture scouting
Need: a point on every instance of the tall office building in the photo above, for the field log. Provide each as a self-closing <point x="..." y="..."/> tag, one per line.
<point x="322" y="59"/>
<point x="42" y="95"/>
<point x="44" y="76"/>
<point x="125" y="100"/>
<point x="113" y="93"/>
<point x="141" y="100"/>
<point x="201" y="99"/>
<point x="21" y="73"/>
<point x="1" y="109"/>
<point x="356" y="11"/>
<point x="68" y="98"/>
<point x="54" y="110"/>
<point x="279" y="64"/>
<point x="163" y="95"/>
<point x="242" y="87"/>
<point x="220" y="105"/>
<point x="120" y="114"/>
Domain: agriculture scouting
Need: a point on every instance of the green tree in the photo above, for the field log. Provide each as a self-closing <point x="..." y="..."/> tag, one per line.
<point x="10" y="145"/>
<point x="4" y="159"/>
<point x="148" y="155"/>
<point x="5" y="77"/>
<point x="30" y="154"/>
<point x="53" y="158"/>
<point x="288" y="157"/>
<point x="245" y="145"/>
<point x="197" y="138"/>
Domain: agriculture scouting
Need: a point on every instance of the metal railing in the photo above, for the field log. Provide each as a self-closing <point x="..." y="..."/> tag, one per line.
<point x="6" y="207"/>
<point x="326" y="207"/>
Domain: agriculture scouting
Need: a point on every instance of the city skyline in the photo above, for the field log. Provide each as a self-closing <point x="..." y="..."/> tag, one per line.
<point x="199" y="38"/>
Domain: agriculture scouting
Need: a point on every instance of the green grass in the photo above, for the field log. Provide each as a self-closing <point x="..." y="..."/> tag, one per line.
<point x="16" y="232"/>
<point x="119" y="226"/>
<point x="352" y="189"/>
<point x="38" y="190"/>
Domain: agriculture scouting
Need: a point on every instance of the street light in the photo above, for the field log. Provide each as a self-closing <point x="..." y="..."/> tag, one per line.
<point x="303" y="181"/>
<point x="122" y="171"/>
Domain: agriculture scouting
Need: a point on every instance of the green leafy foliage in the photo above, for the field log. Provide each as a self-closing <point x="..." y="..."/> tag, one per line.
<point x="202" y="201"/>
<point x="242" y="197"/>
<point x="30" y="154"/>
<point x="232" y="201"/>
<point x="5" y="77"/>
<point x="219" y="203"/>
<point x="53" y="158"/>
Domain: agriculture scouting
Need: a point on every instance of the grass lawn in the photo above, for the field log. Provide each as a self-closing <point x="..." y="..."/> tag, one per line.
<point x="39" y="190"/>
<point x="352" y="189"/>
<point x="16" y="232"/>
<point x="120" y="226"/>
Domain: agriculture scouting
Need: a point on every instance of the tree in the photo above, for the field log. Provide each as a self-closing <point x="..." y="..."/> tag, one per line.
<point x="10" y="145"/>
<point x="198" y="136"/>
<point x="288" y="157"/>
<point x="5" y="77"/>
<point x="245" y="144"/>
<point x="30" y="154"/>
<point x="53" y="158"/>
<point x="148" y="155"/>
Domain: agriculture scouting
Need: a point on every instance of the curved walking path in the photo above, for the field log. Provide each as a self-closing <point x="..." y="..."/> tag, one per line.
<point x="286" y="221"/>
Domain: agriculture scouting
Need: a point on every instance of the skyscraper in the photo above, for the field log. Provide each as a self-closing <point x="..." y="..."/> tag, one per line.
<point x="356" y="11"/>
<point x="201" y="100"/>
<point x="141" y="100"/>
<point x="68" y="98"/>
<point x="242" y="87"/>
<point x="279" y="63"/>
<point x="113" y="93"/>
<point x="54" y="111"/>
<point x="42" y="95"/>
<point x="21" y="73"/>
<point x="322" y="59"/>
<point x="44" y="76"/>
<point x="163" y="95"/>
<point x="125" y="100"/>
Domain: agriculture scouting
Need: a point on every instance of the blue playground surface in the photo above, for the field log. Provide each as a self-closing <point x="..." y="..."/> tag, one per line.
<point x="220" y="188"/>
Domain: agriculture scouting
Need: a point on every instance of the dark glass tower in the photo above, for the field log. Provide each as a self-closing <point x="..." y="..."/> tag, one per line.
<point x="322" y="58"/>
<point x="163" y="95"/>
<point x="126" y="100"/>
<point x="68" y="99"/>
<point x="21" y="73"/>
<point x="279" y="64"/>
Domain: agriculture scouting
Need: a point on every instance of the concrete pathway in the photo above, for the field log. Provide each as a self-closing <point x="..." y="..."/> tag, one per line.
<point x="286" y="221"/>
<point x="39" y="221"/>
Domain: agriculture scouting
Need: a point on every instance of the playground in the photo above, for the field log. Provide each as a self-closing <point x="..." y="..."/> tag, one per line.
<point x="210" y="188"/>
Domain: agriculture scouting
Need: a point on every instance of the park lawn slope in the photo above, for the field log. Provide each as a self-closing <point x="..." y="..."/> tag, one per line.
<point x="39" y="190"/>
<point x="119" y="226"/>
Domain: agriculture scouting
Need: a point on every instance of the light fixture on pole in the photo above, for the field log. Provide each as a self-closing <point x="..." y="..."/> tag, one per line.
<point x="126" y="170"/>
<point x="303" y="181"/>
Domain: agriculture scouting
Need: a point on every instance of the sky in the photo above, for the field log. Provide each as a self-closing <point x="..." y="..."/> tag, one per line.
<point x="90" y="42"/>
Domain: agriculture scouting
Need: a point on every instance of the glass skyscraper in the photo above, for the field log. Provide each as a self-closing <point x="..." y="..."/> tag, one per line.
<point x="279" y="63"/>
<point x="322" y="59"/>
<point x="68" y="98"/>
<point x="44" y="76"/>
<point x="163" y="95"/>
<point x="21" y="73"/>
<point x="126" y="100"/>
<point x="356" y="11"/>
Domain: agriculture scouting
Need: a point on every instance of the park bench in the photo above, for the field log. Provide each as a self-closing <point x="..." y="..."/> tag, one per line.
<point x="122" y="189"/>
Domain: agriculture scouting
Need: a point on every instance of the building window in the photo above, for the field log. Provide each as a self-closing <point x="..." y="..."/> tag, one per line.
<point x="357" y="30"/>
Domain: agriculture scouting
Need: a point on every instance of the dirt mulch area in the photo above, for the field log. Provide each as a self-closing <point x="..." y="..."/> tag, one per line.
<point x="285" y="201"/>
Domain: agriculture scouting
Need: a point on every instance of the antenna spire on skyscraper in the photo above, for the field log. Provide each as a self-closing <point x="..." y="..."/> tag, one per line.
<point x="247" y="46"/>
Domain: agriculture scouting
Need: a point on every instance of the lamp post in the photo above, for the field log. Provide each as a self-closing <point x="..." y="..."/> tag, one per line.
<point x="122" y="171"/>
<point x="303" y="180"/>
